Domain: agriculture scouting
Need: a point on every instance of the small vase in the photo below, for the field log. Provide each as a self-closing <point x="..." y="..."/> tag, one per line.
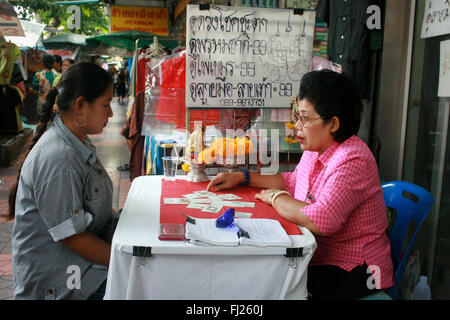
<point x="197" y="173"/>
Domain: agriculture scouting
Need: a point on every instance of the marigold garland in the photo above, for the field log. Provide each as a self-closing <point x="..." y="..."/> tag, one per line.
<point x="290" y="125"/>
<point x="290" y="140"/>
<point x="290" y="131"/>
<point x="219" y="148"/>
<point x="186" y="167"/>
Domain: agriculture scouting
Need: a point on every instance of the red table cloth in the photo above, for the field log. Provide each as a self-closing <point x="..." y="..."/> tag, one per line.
<point x="170" y="213"/>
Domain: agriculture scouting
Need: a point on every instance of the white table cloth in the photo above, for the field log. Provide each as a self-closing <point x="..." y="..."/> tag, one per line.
<point x="180" y="270"/>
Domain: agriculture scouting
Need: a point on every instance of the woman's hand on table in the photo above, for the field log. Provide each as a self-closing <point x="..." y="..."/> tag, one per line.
<point x="225" y="180"/>
<point x="264" y="196"/>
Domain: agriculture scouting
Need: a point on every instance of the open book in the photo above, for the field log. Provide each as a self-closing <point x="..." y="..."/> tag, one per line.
<point x="262" y="232"/>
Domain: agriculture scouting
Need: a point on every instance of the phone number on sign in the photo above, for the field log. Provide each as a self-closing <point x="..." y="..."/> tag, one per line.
<point x="242" y="102"/>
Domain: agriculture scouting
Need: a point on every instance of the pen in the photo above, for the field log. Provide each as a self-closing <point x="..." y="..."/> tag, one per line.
<point x="188" y="219"/>
<point x="242" y="232"/>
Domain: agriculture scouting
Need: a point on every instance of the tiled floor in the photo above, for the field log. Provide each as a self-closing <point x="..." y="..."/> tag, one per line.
<point x="111" y="150"/>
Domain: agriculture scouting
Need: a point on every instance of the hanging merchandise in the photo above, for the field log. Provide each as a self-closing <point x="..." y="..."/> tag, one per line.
<point x="11" y="83"/>
<point x="9" y="53"/>
<point x="139" y="142"/>
<point x="147" y="54"/>
<point x="348" y="40"/>
<point x="172" y="82"/>
<point x="10" y="102"/>
<point x="148" y="133"/>
<point x="320" y="40"/>
<point x="171" y="103"/>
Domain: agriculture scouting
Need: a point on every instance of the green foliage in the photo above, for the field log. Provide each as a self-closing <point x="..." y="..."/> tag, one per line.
<point x="92" y="21"/>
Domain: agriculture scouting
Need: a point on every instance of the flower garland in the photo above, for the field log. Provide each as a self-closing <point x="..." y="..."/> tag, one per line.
<point x="290" y="126"/>
<point x="186" y="167"/>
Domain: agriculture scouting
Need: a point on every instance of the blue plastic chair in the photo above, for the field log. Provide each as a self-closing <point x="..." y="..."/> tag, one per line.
<point x="410" y="202"/>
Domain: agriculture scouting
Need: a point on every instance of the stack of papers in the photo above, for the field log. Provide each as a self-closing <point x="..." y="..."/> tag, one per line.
<point x="207" y="201"/>
<point x="262" y="232"/>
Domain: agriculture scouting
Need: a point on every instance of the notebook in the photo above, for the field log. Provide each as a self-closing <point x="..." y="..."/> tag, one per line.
<point x="262" y="233"/>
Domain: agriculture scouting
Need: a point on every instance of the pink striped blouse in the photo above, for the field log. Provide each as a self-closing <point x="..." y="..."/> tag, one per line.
<point x="346" y="203"/>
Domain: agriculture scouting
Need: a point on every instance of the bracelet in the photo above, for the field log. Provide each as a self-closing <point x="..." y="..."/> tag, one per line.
<point x="246" y="177"/>
<point x="279" y="193"/>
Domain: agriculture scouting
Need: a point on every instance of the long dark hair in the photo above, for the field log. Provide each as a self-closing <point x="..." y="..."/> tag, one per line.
<point x="80" y="80"/>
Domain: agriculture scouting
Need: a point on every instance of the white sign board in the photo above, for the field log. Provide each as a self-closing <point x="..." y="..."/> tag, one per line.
<point x="444" y="70"/>
<point x="241" y="57"/>
<point x="436" y="19"/>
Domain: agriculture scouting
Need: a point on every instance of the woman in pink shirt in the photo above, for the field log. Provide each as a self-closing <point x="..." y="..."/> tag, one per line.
<point x="334" y="191"/>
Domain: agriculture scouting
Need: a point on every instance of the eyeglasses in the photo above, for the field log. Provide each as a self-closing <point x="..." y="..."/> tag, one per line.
<point x="306" y="121"/>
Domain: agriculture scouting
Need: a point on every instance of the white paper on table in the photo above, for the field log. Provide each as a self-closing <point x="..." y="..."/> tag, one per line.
<point x="205" y="230"/>
<point x="263" y="233"/>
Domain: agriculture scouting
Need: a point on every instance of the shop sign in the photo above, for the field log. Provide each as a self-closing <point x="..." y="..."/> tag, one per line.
<point x="436" y="19"/>
<point x="241" y="57"/>
<point x="9" y="23"/>
<point x="145" y="19"/>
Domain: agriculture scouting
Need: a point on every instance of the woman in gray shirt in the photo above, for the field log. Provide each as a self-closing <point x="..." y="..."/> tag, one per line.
<point x="63" y="198"/>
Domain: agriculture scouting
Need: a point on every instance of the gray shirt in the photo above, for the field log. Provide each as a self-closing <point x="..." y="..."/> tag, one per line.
<point x="63" y="190"/>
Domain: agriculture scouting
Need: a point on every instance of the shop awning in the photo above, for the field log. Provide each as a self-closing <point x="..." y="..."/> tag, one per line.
<point x="65" y="41"/>
<point x="126" y="40"/>
<point x="69" y="3"/>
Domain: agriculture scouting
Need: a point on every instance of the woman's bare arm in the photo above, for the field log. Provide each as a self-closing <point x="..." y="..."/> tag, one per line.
<point x="227" y="180"/>
<point x="90" y="247"/>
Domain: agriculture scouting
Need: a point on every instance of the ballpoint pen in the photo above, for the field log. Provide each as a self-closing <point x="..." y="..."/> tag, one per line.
<point x="188" y="218"/>
<point x="242" y="232"/>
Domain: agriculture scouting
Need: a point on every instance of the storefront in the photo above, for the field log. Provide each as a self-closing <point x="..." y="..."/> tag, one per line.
<point x="405" y="121"/>
<point x="412" y="124"/>
<point x="406" y="116"/>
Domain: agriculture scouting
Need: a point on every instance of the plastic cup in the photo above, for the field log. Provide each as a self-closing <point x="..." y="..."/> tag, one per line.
<point x="170" y="168"/>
